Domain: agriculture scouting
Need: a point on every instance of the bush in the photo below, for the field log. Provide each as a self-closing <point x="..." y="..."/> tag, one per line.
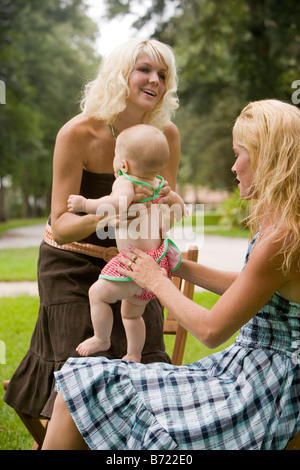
<point x="234" y="211"/>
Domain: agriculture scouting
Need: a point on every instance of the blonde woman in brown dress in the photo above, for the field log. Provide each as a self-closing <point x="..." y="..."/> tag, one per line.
<point x="136" y="84"/>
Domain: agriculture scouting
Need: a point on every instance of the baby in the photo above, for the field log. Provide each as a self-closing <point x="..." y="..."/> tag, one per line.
<point x="141" y="152"/>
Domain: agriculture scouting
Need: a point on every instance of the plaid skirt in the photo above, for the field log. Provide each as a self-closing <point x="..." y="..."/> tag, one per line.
<point x="244" y="397"/>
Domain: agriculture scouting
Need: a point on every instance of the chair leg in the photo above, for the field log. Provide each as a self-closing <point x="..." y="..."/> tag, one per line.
<point x="37" y="427"/>
<point x="294" y="443"/>
<point x="179" y="346"/>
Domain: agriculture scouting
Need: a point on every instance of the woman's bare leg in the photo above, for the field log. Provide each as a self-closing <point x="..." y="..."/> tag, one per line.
<point x="62" y="432"/>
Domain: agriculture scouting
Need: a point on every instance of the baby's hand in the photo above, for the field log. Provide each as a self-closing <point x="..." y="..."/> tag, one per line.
<point x="76" y="203"/>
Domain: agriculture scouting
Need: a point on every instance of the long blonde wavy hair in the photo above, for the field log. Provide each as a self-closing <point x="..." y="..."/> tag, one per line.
<point x="270" y="131"/>
<point x="106" y="96"/>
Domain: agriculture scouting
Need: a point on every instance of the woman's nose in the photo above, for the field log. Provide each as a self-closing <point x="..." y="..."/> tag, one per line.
<point x="154" y="77"/>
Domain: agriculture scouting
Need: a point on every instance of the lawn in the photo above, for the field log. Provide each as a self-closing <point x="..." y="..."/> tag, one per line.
<point x="18" y="264"/>
<point x="17" y="319"/>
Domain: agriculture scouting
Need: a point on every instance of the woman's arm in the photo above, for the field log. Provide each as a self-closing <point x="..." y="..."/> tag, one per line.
<point x="261" y="277"/>
<point x="214" y="280"/>
<point x="170" y="171"/>
<point x="68" y="163"/>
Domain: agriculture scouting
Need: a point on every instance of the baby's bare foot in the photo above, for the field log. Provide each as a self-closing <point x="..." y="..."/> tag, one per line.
<point x="132" y="357"/>
<point x="93" y="345"/>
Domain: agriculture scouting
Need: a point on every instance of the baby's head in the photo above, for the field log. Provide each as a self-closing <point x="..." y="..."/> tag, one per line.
<point x="141" y="150"/>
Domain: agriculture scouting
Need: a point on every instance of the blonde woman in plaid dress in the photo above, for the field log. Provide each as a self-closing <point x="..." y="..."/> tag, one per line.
<point x="246" y="396"/>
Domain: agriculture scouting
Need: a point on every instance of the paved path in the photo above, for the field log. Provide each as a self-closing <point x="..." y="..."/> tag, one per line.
<point x="215" y="251"/>
<point x="22" y="237"/>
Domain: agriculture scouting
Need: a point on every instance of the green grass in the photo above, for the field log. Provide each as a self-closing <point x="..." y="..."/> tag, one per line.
<point x="212" y="226"/>
<point x="18" y="264"/>
<point x="233" y="233"/>
<point x="17" y="320"/>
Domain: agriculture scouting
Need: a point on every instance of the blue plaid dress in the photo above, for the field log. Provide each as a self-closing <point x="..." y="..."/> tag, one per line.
<point x="244" y="397"/>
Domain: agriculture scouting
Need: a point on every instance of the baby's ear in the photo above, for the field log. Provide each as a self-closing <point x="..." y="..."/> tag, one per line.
<point x="125" y="166"/>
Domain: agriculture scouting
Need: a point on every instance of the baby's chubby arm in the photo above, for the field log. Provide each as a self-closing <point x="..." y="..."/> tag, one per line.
<point x="121" y="196"/>
<point x="76" y="203"/>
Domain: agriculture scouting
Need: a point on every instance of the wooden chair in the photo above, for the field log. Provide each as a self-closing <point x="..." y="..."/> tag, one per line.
<point x="294" y="443"/>
<point x="171" y="327"/>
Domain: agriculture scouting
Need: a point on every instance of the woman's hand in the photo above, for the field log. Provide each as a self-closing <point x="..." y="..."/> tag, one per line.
<point x="143" y="192"/>
<point x="166" y="194"/>
<point x="143" y="269"/>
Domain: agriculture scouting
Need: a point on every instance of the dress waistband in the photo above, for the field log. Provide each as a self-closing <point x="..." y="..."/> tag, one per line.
<point x="106" y="253"/>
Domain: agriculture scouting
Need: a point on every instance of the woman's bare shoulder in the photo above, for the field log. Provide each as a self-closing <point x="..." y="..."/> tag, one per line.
<point x="80" y="128"/>
<point x="171" y="131"/>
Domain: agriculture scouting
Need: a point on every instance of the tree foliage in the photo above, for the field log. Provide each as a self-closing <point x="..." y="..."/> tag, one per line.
<point x="47" y="52"/>
<point x="228" y="53"/>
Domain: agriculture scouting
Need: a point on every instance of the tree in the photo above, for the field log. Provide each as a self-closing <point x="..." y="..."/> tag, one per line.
<point x="47" y="52"/>
<point x="228" y="53"/>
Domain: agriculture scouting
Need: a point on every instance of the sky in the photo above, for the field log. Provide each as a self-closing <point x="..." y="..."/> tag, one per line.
<point x="114" y="32"/>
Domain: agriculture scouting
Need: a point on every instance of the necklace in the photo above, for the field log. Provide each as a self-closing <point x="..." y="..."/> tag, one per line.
<point x="112" y="130"/>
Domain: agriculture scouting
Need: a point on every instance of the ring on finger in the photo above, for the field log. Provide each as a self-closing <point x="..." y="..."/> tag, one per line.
<point x="134" y="259"/>
<point x="129" y="264"/>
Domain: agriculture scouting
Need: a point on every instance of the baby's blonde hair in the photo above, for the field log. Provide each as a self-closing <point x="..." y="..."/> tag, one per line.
<point x="270" y="132"/>
<point x="146" y="148"/>
<point x="106" y="96"/>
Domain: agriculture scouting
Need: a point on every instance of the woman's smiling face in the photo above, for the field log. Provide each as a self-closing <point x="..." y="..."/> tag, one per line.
<point x="147" y="82"/>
